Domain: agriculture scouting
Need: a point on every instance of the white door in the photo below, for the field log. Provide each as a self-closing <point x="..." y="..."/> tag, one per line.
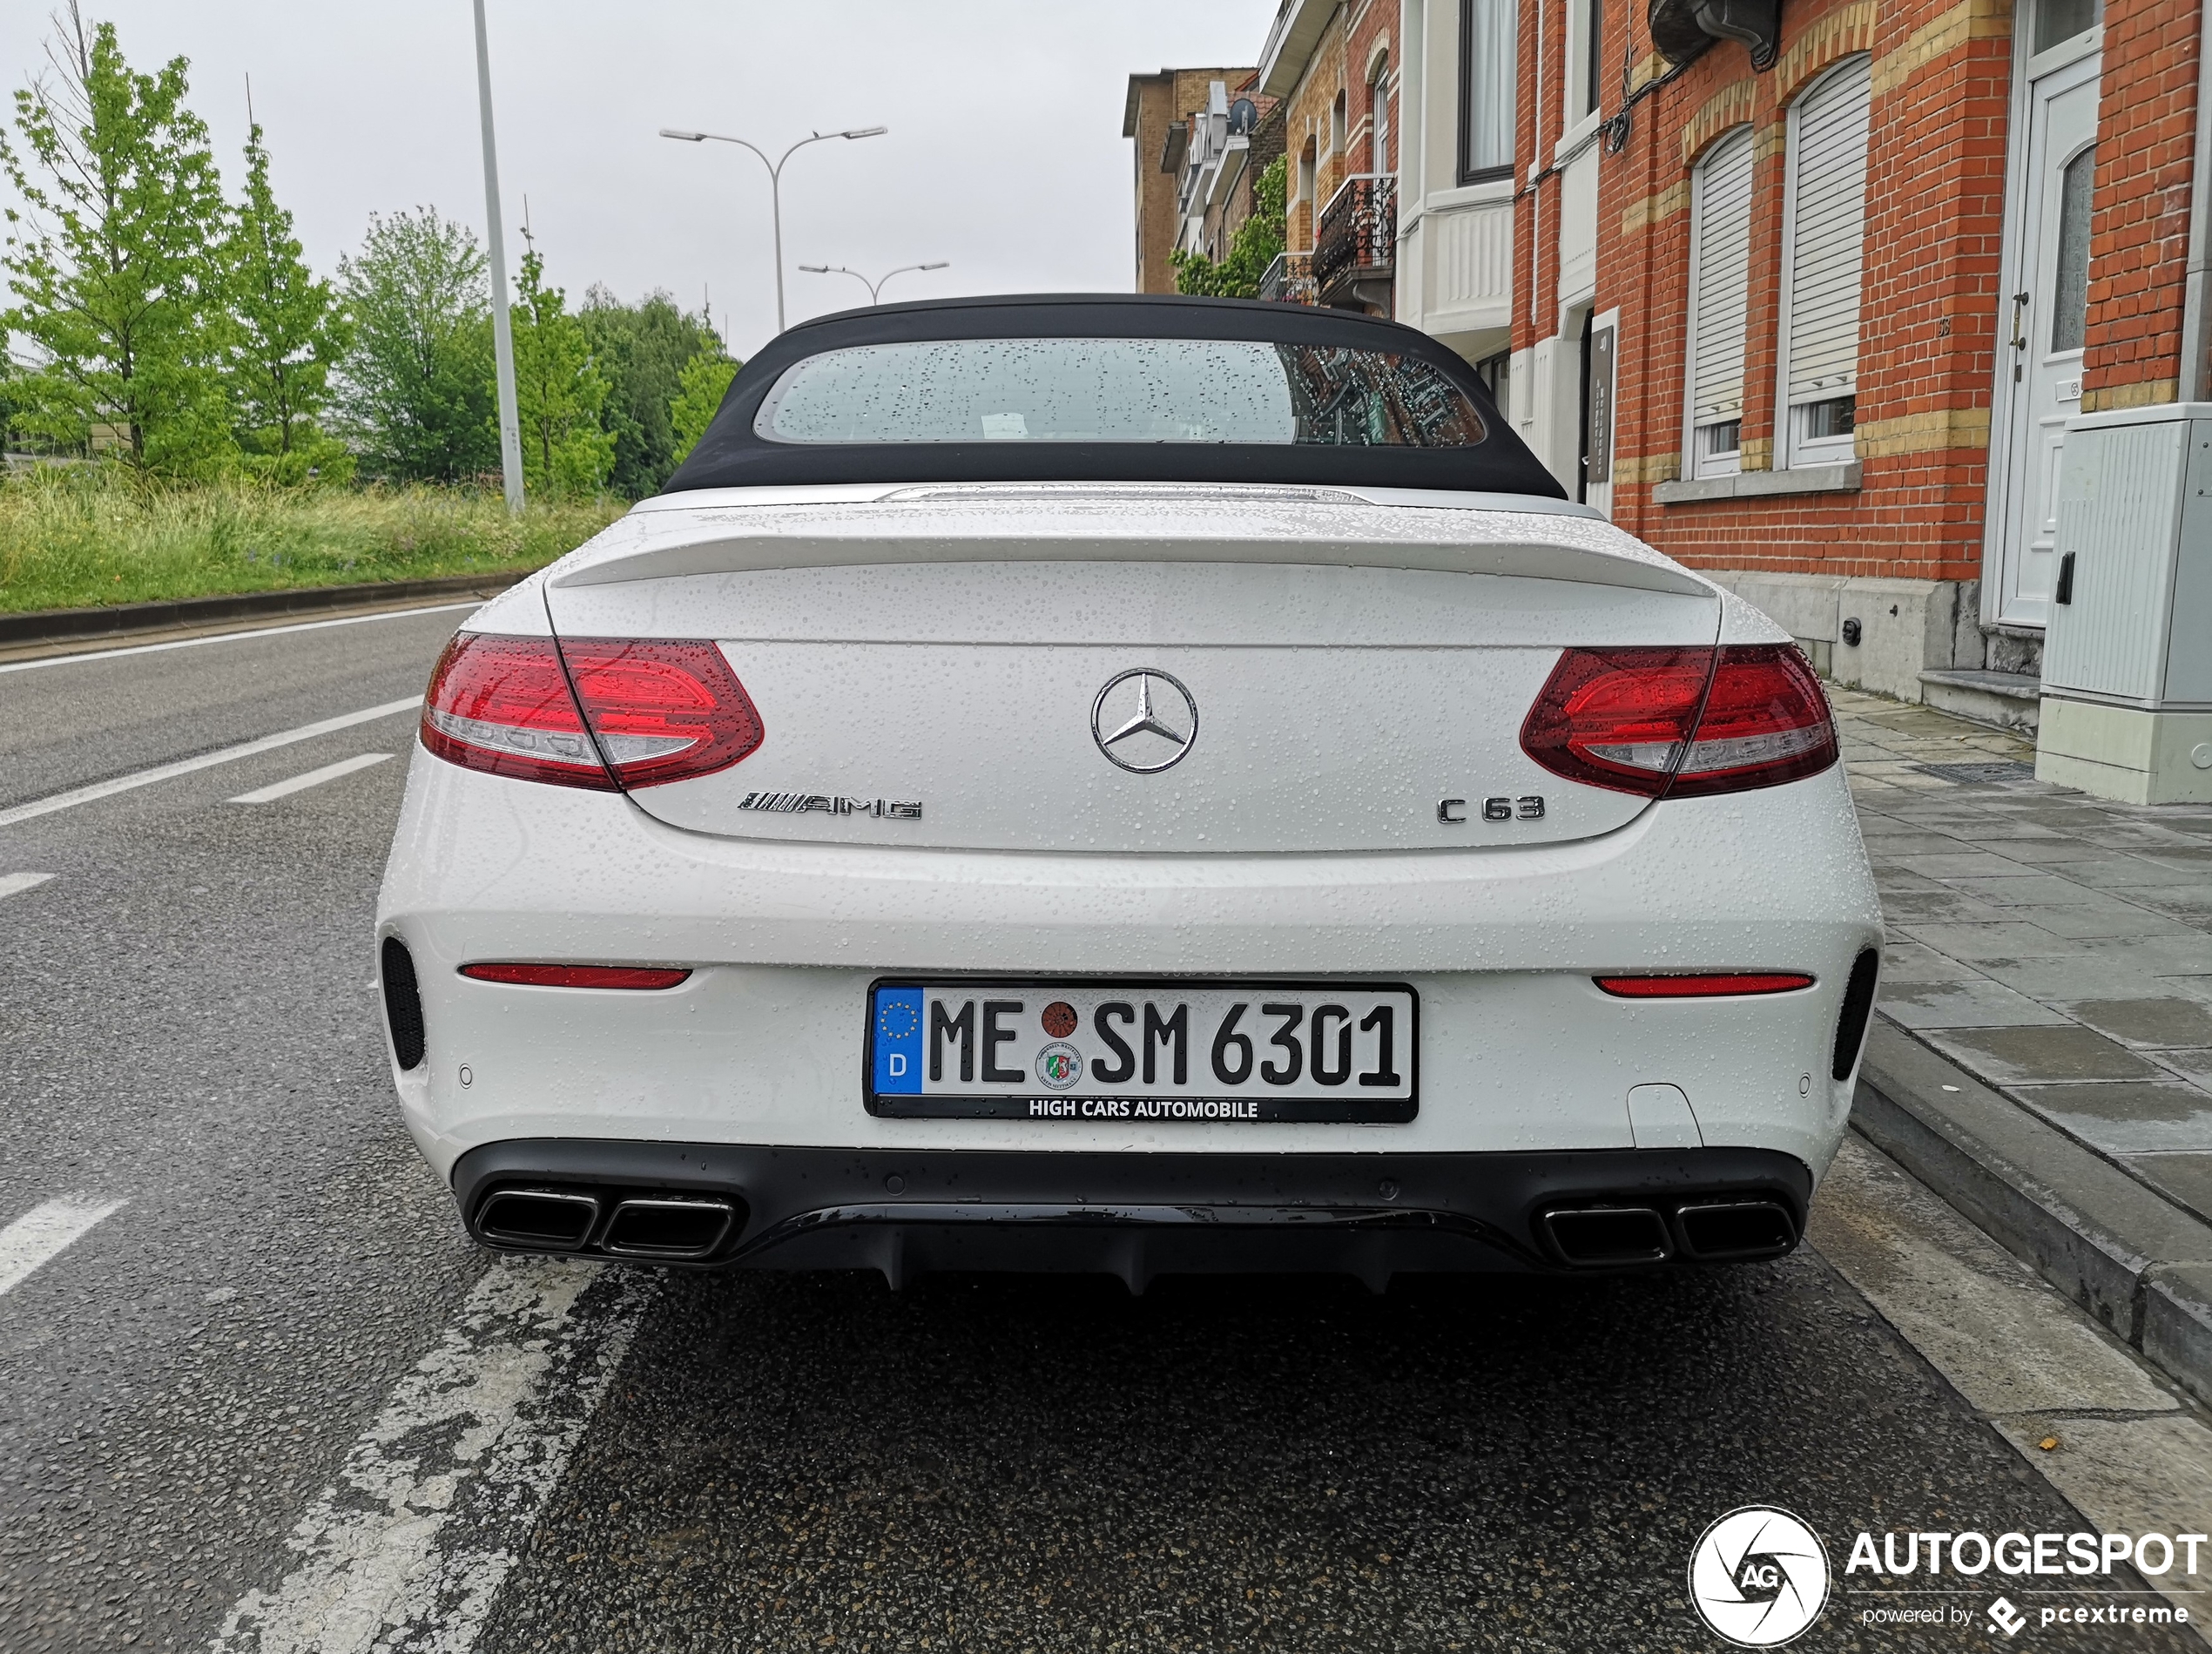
<point x="2040" y="349"/>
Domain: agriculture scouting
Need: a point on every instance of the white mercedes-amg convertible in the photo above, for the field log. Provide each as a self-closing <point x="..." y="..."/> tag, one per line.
<point x="1131" y="785"/>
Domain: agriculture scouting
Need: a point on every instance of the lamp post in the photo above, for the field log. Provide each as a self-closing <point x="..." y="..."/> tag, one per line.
<point x="874" y="288"/>
<point x="503" y="336"/>
<point x="775" y="181"/>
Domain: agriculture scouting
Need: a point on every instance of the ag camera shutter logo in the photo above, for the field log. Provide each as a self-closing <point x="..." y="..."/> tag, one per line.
<point x="1758" y="1577"/>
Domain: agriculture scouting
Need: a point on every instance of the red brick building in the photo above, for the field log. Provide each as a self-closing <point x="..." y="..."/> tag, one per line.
<point x="1804" y="291"/>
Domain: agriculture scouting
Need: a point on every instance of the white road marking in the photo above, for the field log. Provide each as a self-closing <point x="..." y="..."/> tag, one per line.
<point x="276" y="790"/>
<point x="484" y="1424"/>
<point x="44" y="1233"/>
<point x="233" y="637"/>
<point x="14" y="884"/>
<point x="206" y="760"/>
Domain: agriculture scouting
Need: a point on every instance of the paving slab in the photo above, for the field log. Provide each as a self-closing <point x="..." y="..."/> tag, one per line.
<point x="1964" y="1004"/>
<point x="2147" y="1023"/>
<point x="2122" y="1117"/>
<point x="2185" y="1178"/>
<point x="2092" y="918"/>
<point x="1996" y="939"/>
<point x="2045" y="1056"/>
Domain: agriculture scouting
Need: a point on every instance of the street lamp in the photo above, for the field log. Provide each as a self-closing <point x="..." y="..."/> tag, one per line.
<point x="874" y="288"/>
<point x="775" y="181"/>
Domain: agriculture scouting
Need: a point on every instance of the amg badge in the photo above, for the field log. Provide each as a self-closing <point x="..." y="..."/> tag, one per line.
<point x="830" y="804"/>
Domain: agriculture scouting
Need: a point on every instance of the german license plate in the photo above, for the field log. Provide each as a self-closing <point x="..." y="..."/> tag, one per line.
<point x="1143" y="1052"/>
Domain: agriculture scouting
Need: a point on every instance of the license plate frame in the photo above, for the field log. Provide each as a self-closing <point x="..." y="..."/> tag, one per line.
<point x="1131" y="1101"/>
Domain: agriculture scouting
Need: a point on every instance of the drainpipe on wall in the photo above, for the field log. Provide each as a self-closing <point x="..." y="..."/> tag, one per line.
<point x="2193" y="386"/>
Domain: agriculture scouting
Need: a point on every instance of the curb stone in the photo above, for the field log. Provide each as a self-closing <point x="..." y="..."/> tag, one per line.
<point x="2177" y="1324"/>
<point x="2140" y="1265"/>
<point x="123" y="619"/>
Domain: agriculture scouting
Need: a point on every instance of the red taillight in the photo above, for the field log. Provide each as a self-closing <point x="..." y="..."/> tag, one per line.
<point x="660" y="709"/>
<point x="1683" y="722"/>
<point x="578" y="976"/>
<point x="1703" y="987"/>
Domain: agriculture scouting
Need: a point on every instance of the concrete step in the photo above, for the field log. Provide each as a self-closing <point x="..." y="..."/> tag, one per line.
<point x="2008" y="700"/>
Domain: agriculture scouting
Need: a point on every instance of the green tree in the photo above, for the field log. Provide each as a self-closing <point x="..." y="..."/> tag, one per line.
<point x="1254" y="245"/>
<point x="113" y="257"/>
<point x="558" y="391"/>
<point x="641" y="350"/>
<point x="703" y="383"/>
<point x="287" y="332"/>
<point x="416" y="386"/>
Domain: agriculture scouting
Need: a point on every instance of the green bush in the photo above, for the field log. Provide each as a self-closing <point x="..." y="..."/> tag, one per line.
<point x="1255" y="244"/>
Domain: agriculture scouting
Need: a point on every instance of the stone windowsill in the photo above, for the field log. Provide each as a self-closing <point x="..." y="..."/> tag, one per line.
<point x="1751" y="485"/>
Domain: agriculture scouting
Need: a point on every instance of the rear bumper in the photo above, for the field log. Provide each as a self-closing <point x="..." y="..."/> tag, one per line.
<point x="765" y="1044"/>
<point x="1139" y="1216"/>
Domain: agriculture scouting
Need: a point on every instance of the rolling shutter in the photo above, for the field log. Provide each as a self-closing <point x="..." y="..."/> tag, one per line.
<point x="1719" y="282"/>
<point x="1828" y="232"/>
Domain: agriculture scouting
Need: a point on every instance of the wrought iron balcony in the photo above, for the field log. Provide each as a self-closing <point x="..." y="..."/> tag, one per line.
<point x="1287" y="280"/>
<point x="1357" y="239"/>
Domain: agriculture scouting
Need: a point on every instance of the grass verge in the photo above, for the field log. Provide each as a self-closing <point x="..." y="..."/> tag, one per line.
<point x="85" y="536"/>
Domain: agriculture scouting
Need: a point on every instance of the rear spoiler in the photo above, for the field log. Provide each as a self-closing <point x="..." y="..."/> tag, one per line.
<point x="1328" y="528"/>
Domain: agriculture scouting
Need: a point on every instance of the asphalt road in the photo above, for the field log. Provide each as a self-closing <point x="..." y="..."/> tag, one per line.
<point x="278" y="1367"/>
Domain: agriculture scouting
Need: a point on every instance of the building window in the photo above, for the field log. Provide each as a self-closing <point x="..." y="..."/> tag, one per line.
<point x="2057" y="21"/>
<point x="1823" y="229"/>
<point x="1496" y="374"/>
<point x="1589" y="22"/>
<point x="1308" y="167"/>
<point x="1720" y="273"/>
<point x="1378" y="119"/>
<point x="1489" y="71"/>
<point x="1337" y="124"/>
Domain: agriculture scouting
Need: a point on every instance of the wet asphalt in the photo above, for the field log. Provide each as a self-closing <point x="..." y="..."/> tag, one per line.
<point x="186" y="1025"/>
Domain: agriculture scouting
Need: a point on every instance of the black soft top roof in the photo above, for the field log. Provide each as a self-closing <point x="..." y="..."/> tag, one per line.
<point x="731" y="455"/>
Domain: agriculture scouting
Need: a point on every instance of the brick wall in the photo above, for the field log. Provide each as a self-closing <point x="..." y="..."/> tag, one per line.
<point x="1930" y="310"/>
<point x="2138" y="243"/>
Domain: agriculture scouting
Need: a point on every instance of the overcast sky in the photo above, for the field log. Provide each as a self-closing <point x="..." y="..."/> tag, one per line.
<point x="1005" y="154"/>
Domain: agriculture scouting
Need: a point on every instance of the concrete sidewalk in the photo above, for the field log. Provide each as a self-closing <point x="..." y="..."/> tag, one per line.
<point x="2052" y="953"/>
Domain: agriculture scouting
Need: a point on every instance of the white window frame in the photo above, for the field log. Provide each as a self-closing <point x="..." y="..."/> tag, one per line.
<point x="1580" y="71"/>
<point x="1729" y="462"/>
<point x="1378" y="117"/>
<point x="1792" y="448"/>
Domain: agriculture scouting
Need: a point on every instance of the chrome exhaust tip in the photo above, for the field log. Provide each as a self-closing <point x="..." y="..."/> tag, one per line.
<point x="678" y="1228"/>
<point x="1606" y="1237"/>
<point x="537" y="1219"/>
<point x="1715" y="1232"/>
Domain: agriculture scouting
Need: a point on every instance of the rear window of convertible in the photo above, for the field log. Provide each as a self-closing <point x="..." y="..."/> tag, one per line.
<point x="1117" y="390"/>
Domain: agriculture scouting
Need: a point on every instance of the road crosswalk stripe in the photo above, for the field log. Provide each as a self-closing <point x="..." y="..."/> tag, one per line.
<point x="276" y="790"/>
<point x="14" y="884"/>
<point x="482" y="1429"/>
<point x="44" y="1233"/>
<point x="206" y="761"/>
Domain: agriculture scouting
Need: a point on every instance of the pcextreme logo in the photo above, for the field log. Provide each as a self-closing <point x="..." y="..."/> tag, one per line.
<point x="1758" y="1577"/>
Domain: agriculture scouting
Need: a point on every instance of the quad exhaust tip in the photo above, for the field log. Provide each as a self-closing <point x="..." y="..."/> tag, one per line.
<point x="538" y="1219"/>
<point x="1700" y="1231"/>
<point x="649" y="1228"/>
<point x="668" y="1226"/>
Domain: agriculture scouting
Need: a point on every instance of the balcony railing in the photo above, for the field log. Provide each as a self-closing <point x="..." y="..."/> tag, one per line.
<point x="1287" y="280"/>
<point x="1357" y="235"/>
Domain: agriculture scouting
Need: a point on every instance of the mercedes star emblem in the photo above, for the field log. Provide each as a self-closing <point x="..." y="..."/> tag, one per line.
<point x="1144" y="720"/>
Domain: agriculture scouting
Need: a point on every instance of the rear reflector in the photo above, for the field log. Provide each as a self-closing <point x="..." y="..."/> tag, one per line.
<point x="578" y="976"/>
<point x="1703" y="987"/>
<point x="1681" y="722"/>
<point x="658" y="710"/>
